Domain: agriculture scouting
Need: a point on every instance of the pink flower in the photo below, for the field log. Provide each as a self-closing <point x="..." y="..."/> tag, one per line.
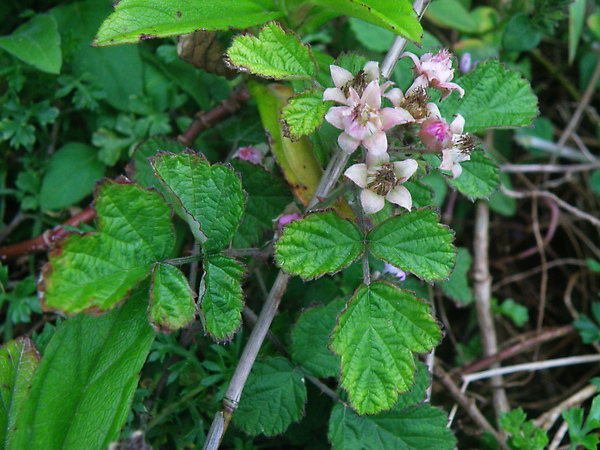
<point x="435" y="134"/>
<point x="460" y="150"/>
<point x="363" y="121"/>
<point x="251" y="154"/>
<point x="381" y="180"/>
<point x="392" y="270"/>
<point x="285" y="219"/>
<point x="435" y="71"/>
<point x="343" y="80"/>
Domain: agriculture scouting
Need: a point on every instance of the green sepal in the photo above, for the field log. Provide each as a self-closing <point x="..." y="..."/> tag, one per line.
<point x="320" y="243"/>
<point x="376" y="336"/>
<point x="415" y="242"/>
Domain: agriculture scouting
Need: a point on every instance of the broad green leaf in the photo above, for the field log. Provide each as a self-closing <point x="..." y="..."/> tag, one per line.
<point x="417" y="393"/>
<point x="310" y="338"/>
<point x="397" y="16"/>
<point x="371" y="36"/>
<point x="172" y="303"/>
<point x="417" y="428"/>
<point x="36" y="42"/>
<point x="451" y="14"/>
<point x="415" y="242"/>
<point x="136" y="20"/>
<point x="139" y="168"/>
<point x="81" y="393"/>
<point x="95" y="271"/>
<point x="457" y="286"/>
<point x="422" y="194"/>
<point x="273" y="54"/>
<point x="479" y="177"/>
<point x="18" y="361"/>
<point x="72" y="173"/>
<point x="221" y="297"/>
<point x="304" y="112"/>
<point x="376" y="336"/>
<point x="521" y="34"/>
<point x="268" y="196"/>
<point x="211" y="196"/>
<point x="495" y="97"/>
<point x="273" y="398"/>
<point x="320" y="243"/>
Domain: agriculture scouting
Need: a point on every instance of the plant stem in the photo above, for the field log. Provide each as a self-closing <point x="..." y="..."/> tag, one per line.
<point x="236" y="385"/>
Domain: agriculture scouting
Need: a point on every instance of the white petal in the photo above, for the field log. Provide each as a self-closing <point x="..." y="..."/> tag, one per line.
<point x="371" y="202"/>
<point x="447" y="160"/>
<point x="457" y="124"/>
<point x="390" y="117"/>
<point x="334" y="94"/>
<point x="358" y="174"/>
<point x="347" y="143"/>
<point x="456" y="170"/>
<point x="414" y="58"/>
<point x="395" y="95"/>
<point x="433" y="110"/>
<point x="340" y="76"/>
<point x="376" y="143"/>
<point x="372" y="70"/>
<point x="374" y="160"/>
<point x="400" y="196"/>
<point x="405" y="169"/>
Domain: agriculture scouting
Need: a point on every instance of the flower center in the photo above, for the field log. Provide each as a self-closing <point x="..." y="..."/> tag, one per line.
<point x="416" y="103"/>
<point x="382" y="181"/>
<point x="465" y="144"/>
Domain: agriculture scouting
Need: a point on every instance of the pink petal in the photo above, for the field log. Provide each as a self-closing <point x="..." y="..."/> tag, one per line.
<point x="376" y="143"/>
<point x="405" y="169"/>
<point x="335" y="116"/>
<point x="390" y="117"/>
<point x="414" y="58"/>
<point x="447" y="160"/>
<point x="358" y="174"/>
<point x="395" y="96"/>
<point x="334" y="94"/>
<point x="347" y="143"/>
<point x="434" y="111"/>
<point x="400" y="196"/>
<point x="447" y="89"/>
<point x="372" y="95"/>
<point x="377" y="160"/>
<point x="355" y="129"/>
<point x="340" y="76"/>
<point x="371" y="202"/>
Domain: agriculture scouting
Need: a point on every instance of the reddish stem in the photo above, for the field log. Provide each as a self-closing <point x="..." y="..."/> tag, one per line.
<point x="44" y="241"/>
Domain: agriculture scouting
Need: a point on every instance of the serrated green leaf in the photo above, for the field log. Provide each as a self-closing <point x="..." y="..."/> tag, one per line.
<point x="19" y="360"/>
<point x="95" y="271"/>
<point x="479" y="177"/>
<point x="140" y="170"/>
<point x="304" y="112"/>
<point x="320" y="243"/>
<point x="273" y="54"/>
<point x="222" y="299"/>
<point x="36" y="42"/>
<point x="268" y="196"/>
<point x="520" y="34"/>
<point x="135" y="20"/>
<point x="415" y="242"/>
<point x="417" y="428"/>
<point x="421" y="193"/>
<point x="457" y="286"/>
<point x="273" y="398"/>
<point x="495" y="97"/>
<point x="172" y="303"/>
<point x="310" y="339"/>
<point x="397" y="16"/>
<point x="417" y="393"/>
<point x="376" y="336"/>
<point x="82" y="390"/>
<point x="211" y="196"/>
<point x="72" y="173"/>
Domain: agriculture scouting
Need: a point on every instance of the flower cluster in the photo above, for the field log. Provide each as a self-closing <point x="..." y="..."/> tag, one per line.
<point x="364" y="122"/>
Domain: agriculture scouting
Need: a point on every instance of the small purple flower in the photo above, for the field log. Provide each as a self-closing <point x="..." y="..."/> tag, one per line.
<point x="250" y="154"/>
<point x="286" y="218"/>
<point x="398" y="273"/>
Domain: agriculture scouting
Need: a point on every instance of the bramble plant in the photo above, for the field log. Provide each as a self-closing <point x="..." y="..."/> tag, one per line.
<point x="371" y="205"/>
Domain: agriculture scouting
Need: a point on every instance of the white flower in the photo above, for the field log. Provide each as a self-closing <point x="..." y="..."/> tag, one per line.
<point x="460" y="150"/>
<point x="381" y="180"/>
